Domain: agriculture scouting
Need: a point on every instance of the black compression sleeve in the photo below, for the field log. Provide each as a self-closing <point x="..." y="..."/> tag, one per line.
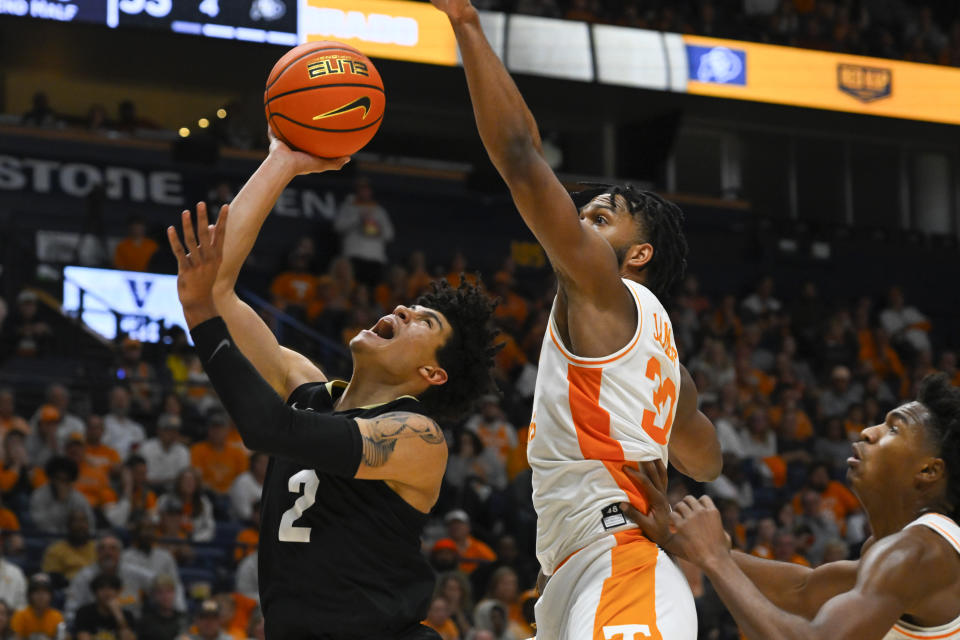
<point x="332" y="444"/>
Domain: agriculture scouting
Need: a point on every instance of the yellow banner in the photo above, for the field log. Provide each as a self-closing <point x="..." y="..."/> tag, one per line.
<point x="803" y="78"/>
<point x="412" y="31"/>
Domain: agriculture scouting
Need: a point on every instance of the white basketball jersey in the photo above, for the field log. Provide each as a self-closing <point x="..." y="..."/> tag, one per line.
<point x="902" y="630"/>
<point x="590" y="417"/>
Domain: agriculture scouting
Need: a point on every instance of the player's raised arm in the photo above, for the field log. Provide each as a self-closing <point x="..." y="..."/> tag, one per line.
<point x="283" y="369"/>
<point x="509" y="133"/>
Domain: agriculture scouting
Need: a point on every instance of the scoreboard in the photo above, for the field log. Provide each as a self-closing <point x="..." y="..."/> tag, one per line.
<point x="270" y="21"/>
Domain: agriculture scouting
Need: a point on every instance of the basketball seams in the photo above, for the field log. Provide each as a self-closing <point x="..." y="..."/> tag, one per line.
<point x="307" y="126"/>
<point x="325" y="86"/>
<point x="301" y="57"/>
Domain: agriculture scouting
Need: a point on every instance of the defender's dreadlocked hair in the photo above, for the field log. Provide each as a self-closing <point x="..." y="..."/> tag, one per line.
<point x="942" y="399"/>
<point x="661" y="224"/>
<point x="467" y="356"/>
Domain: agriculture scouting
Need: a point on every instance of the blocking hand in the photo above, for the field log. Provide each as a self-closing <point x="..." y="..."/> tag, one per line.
<point x="197" y="265"/>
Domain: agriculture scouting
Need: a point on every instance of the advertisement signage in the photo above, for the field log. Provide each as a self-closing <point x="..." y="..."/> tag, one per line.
<point x="412" y="31"/>
<point x="821" y="80"/>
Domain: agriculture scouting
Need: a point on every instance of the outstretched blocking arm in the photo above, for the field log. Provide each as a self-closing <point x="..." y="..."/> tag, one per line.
<point x="509" y="134"/>
<point x="282" y="368"/>
<point x="694" y="446"/>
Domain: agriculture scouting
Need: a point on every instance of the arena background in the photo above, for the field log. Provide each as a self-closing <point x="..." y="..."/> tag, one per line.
<point x="796" y="159"/>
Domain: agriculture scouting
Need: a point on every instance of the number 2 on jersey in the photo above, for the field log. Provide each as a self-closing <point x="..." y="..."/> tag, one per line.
<point x="309" y="481"/>
<point x="666" y="390"/>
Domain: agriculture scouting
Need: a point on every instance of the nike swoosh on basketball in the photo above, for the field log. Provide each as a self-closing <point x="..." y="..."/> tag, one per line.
<point x="223" y="343"/>
<point x="360" y="103"/>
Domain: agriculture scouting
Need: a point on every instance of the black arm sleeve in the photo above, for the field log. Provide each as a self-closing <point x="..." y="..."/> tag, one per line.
<point x="326" y="442"/>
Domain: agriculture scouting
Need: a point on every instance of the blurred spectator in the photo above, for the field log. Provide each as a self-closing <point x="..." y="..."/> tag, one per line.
<point x="13" y="584"/>
<point x="500" y="611"/>
<point x="68" y="556"/>
<point x="171" y="533"/>
<point x="474" y="470"/>
<point x="246" y="579"/>
<point x="840" y="395"/>
<point x="51" y="504"/>
<point x="40" y="114"/>
<point x="6" y="617"/>
<point x="134" y="251"/>
<point x="764" y="540"/>
<point x="150" y="559"/>
<point x="438" y="619"/>
<point x="418" y="278"/>
<point x="165" y="455"/>
<point x="819" y="522"/>
<point x="833" y="447"/>
<point x="732" y="484"/>
<point x="835" y="550"/>
<point x="121" y="433"/>
<point x="58" y="396"/>
<point x="444" y="555"/>
<point x="97" y="118"/>
<point x="196" y="512"/>
<point x="128" y="121"/>
<point x="365" y="230"/>
<point x="134" y="581"/>
<point x="455" y="589"/>
<point x="93" y="482"/>
<point x="905" y="324"/>
<point x="18" y="475"/>
<point x="27" y="332"/>
<point x="495" y="432"/>
<point x="42" y="442"/>
<point x="219" y="462"/>
<point x="38" y="619"/>
<point x="136" y="499"/>
<point x="255" y="629"/>
<point x="104" y="618"/>
<point x="761" y="302"/>
<point x="785" y="549"/>
<point x="295" y="289"/>
<point x="508" y="555"/>
<point x="249" y="537"/>
<point x="9" y="420"/>
<point x="207" y="622"/>
<point x="248" y="486"/>
<point x="160" y="619"/>
<point x="835" y="497"/>
<point x="139" y="376"/>
<point x="472" y="551"/>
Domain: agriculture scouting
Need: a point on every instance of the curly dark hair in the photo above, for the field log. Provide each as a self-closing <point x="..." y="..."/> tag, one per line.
<point x="467" y="356"/>
<point x="942" y="399"/>
<point x="660" y="222"/>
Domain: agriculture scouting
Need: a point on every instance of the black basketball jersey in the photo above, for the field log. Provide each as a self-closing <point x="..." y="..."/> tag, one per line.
<point x="339" y="557"/>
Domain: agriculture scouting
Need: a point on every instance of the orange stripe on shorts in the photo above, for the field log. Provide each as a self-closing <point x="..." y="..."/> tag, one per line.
<point x="627" y="608"/>
<point x="592" y="423"/>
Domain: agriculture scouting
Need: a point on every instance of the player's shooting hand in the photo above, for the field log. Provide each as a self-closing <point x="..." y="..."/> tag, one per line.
<point x="301" y="163"/>
<point x="651" y="480"/>
<point x="455" y="9"/>
<point x="698" y="532"/>
<point x="197" y="265"/>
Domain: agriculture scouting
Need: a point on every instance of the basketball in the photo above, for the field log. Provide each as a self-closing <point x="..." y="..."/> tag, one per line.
<point x="324" y="98"/>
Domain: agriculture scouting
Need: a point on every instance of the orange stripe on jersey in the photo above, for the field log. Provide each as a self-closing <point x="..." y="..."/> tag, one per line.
<point x="592" y="424"/>
<point x="949" y="634"/>
<point x="945" y="534"/>
<point x="627" y="608"/>
<point x="594" y="361"/>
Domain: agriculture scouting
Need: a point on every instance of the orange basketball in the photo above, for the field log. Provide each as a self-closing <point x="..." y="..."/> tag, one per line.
<point x="325" y="98"/>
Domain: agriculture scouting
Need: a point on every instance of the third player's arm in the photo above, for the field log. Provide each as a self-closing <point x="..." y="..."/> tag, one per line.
<point x="282" y="368"/>
<point x="509" y="134"/>
<point x="694" y="446"/>
<point x="794" y="588"/>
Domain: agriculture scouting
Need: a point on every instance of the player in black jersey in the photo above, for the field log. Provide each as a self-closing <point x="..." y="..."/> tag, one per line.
<point x="354" y="467"/>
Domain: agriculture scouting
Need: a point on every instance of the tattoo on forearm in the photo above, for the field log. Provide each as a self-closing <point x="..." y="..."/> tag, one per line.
<point x="389" y="429"/>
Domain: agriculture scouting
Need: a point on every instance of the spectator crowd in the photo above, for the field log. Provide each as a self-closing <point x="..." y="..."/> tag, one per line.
<point x="132" y="511"/>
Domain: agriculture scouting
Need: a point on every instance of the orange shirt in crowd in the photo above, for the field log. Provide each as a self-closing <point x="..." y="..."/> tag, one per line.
<point x="294" y="288"/>
<point x="219" y="467"/>
<point x="804" y="424"/>
<point x="9" y="477"/>
<point x="417" y="283"/>
<point x="134" y="255"/>
<point x="94" y="483"/>
<point x="8" y="520"/>
<point x="510" y="356"/>
<point x="474" y="550"/>
<point x="247" y="541"/>
<point x="762" y="551"/>
<point x="102" y="456"/>
<point x="26" y="622"/>
<point x="760" y="382"/>
<point x="517" y="460"/>
<point x="14" y="423"/>
<point x="448" y="630"/>
<point x="512" y="307"/>
<point x="837" y="498"/>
